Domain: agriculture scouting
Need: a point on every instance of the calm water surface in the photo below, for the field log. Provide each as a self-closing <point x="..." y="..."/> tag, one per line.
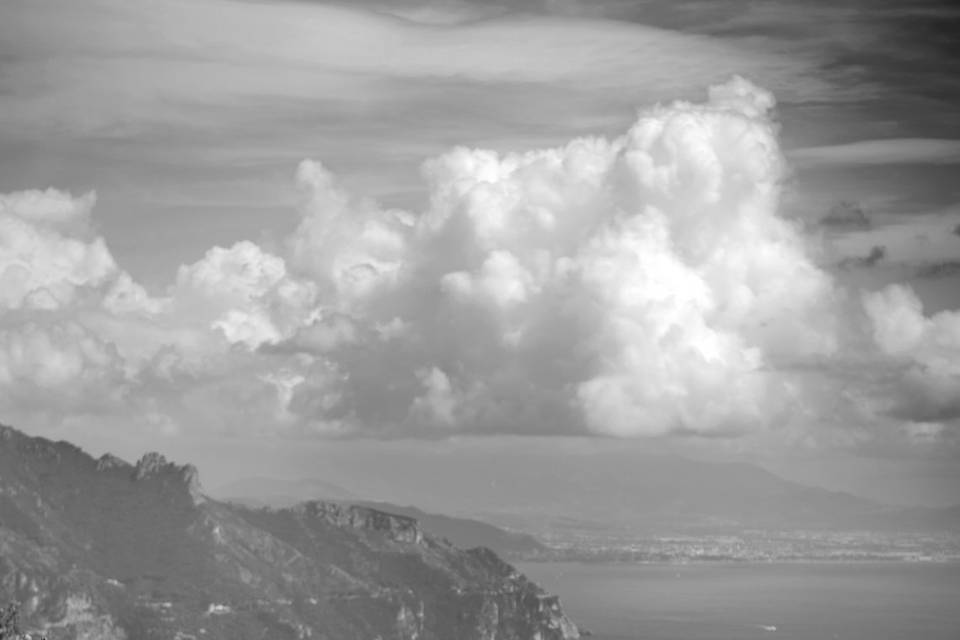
<point x="815" y="601"/>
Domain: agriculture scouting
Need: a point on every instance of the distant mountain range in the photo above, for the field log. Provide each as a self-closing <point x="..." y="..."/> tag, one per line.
<point x="264" y="491"/>
<point x="465" y="533"/>
<point x="671" y="494"/>
<point x="629" y="490"/>
<point x="108" y="550"/>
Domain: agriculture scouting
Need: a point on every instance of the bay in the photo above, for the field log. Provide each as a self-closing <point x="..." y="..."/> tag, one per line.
<point x="746" y="601"/>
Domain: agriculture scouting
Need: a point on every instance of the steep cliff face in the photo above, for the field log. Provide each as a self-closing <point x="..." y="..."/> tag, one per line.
<point x="106" y="549"/>
<point x="395" y="527"/>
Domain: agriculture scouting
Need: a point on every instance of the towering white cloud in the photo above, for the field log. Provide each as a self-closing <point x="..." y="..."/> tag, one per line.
<point x="644" y="285"/>
<point x="641" y="285"/>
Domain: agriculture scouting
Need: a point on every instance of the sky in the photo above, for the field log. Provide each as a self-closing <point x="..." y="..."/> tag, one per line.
<point x="264" y="234"/>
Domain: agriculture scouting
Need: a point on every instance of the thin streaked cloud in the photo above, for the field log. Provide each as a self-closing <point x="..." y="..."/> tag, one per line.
<point x="880" y="152"/>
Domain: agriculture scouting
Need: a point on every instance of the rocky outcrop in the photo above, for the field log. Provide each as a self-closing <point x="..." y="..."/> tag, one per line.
<point x="104" y="549"/>
<point x="109" y="462"/>
<point x="410" y="625"/>
<point x="518" y="608"/>
<point x="397" y="528"/>
<point x="150" y="465"/>
<point x="153" y="466"/>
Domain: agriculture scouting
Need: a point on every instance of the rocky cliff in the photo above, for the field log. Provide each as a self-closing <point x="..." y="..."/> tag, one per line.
<point x="108" y="550"/>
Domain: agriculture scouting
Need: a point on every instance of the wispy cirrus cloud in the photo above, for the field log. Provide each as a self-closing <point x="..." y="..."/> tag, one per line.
<point x="127" y="60"/>
<point x="196" y="110"/>
<point x="879" y="152"/>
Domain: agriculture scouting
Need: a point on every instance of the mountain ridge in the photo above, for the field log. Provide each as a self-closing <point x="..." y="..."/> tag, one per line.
<point x="462" y="532"/>
<point x="105" y="549"/>
<point x="634" y="491"/>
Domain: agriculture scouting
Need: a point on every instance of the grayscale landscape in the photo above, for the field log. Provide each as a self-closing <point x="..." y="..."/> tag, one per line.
<point x="479" y="320"/>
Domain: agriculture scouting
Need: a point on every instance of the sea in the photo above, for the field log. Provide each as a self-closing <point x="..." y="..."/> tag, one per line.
<point x="754" y="601"/>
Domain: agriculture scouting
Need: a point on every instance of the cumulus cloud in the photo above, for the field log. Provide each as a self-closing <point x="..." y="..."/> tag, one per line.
<point x="347" y="246"/>
<point x="640" y="285"/>
<point x="59" y="367"/>
<point x="438" y="403"/>
<point x="243" y="292"/>
<point x="74" y="325"/>
<point x="644" y="285"/>
<point x="926" y="347"/>
<point x="48" y="253"/>
<point x="54" y="272"/>
<point x="50" y="206"/>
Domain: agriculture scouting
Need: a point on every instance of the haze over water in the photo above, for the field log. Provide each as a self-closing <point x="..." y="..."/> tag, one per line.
<point x="804" y="601"/>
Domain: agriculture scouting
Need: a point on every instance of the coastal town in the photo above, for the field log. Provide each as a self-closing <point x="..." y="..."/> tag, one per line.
<point x="755" y="546"/>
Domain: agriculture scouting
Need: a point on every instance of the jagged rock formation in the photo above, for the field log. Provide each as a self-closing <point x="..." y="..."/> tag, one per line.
<point x="104" y="549"/>
<point x="153" y="466"/>
<point x="109" y="461"/>
<point x="397" y="528"/>
<point x="462" y="532"/>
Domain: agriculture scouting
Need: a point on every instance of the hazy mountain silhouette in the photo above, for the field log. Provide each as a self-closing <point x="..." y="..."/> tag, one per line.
<point x="540" y="493"/>
<point x="461" y="532"/>
<point x="277" y="492"/>
<point x="671" y="493"/>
